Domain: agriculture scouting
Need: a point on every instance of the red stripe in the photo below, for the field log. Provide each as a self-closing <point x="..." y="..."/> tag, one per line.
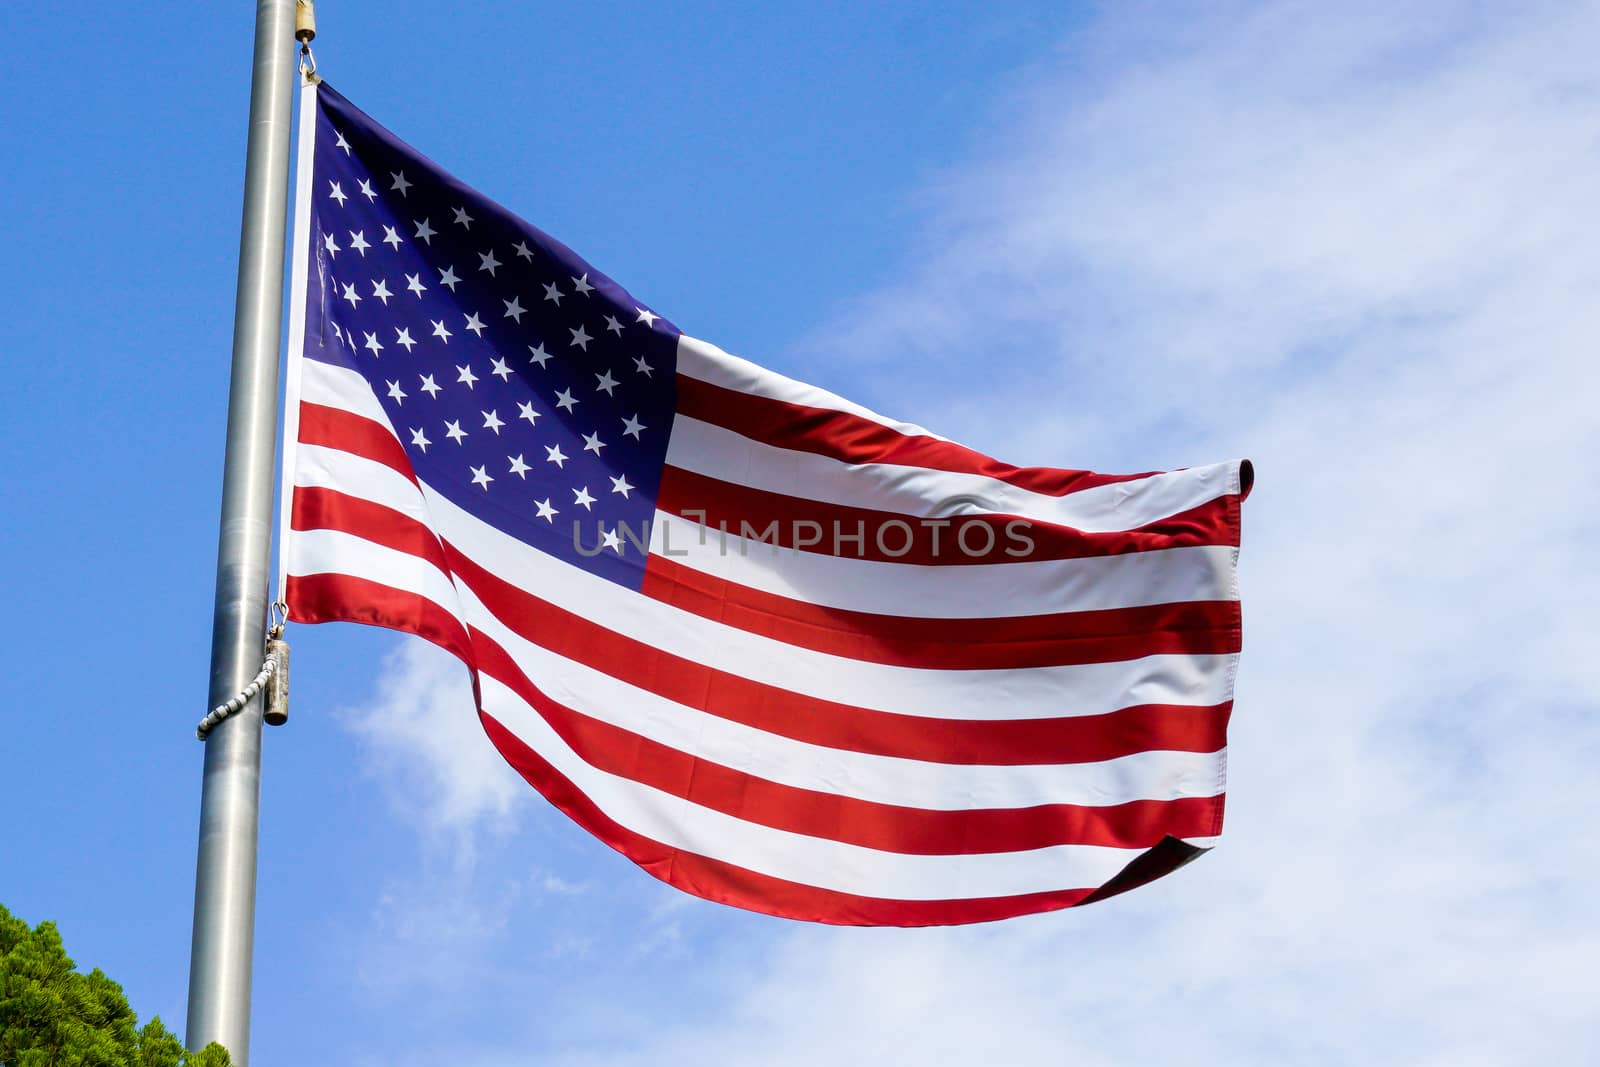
<point x="316" y="508"/>
<point x="1202" y="627"/>
<point x="891" y="537"/>
<point x="870" y="824"/>
<point x="337" y="428"/>
<point x="342" y="598"/>
<point x="853" y="439"/>
<point x="727" y="883"/>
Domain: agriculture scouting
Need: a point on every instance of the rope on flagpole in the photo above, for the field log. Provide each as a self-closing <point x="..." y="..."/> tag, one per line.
<point x="240" y="699"/>
<point x="273" y="676"/>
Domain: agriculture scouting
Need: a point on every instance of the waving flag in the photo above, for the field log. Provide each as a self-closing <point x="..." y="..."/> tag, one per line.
<point x="780" y="651"/>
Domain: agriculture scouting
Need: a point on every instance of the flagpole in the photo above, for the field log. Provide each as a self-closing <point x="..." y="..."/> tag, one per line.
<point x="225" y="870"/>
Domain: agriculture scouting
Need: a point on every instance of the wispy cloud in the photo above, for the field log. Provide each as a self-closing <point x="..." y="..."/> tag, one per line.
<point x="420" y="734"/>
<point x="1357" y="243"/>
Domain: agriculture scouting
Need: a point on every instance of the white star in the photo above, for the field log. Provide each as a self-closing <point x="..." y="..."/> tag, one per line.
<point x="481" y="477"/>
<point x="491" y="421"/>
<point x="514" y="310"/>
<point x="613" y="325"/>
<point x="448" y="277"/>
<point x="500" y="370"/>
<point x="474" y="323"/>
<point x="397" y="394"/>
<point x="380" y="289"/>
<point x="453" y="430"/>
<point x="553" y="454"/>
<point x="641" y="366"/>
<point x="522" y="249"/>
<point x="351" y="295"/>
<point x="539" y="354"/>
<point x="340" y="142"/>
<point x="463" y="218"/>
<point x="391" y="238"/>
<point x="620" y="485"/>
<point x="486" y="261"/>
<point x="581" y="285"/>
<point x="631" y="427"/>
<point x="429" y="386"/>
<point x="414" y="283"/>
<point x="525" y="411"/>
<point x="373" y="344"/>
<point x="400" y="183"/>
<point x="592" y="443"/>
<point x="552" y="293"/>
<point x="581" y="496"/>
<point x="464" y="376"/>
<point x="647" y="317"/>
<point x="580" y="338"/>
<point x="564" y="400"/>
<point x="402" y="336"/>
<point x="605" y="383"/>
<point x="424" y="231"/>
<point x="420" y="439"/>
<point x="366" y="191"/>
<point x="358" y="242"/>
<point x="609" y="539"/>
<point x="440" y="332"/>
<point x="337" y="193"/>
<point x="333" y="249"/>
<point x="519" y="468"/>
<point x="546" y="512"/>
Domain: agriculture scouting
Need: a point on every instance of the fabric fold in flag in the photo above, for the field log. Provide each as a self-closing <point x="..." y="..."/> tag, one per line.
<point x="779" y="650"/>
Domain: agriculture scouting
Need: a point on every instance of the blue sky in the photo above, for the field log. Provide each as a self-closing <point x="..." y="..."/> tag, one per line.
<point x="1354" y="243"/>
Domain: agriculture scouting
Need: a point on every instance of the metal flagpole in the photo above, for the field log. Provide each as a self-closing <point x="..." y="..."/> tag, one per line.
<point x="225" y="871"/>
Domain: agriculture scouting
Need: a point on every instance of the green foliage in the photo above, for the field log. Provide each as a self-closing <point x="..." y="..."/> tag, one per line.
<point x="52" y="1016"/>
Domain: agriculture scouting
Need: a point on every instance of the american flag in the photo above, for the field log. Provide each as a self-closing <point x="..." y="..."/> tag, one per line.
<point x="780" y="651"/>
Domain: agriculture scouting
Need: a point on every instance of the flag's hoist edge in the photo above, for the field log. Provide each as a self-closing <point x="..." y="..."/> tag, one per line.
<point x="754" y="728"/>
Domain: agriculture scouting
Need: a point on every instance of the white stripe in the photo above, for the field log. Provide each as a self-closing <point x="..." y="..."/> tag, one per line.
<point x="979" y="590"/>
<point x="346" y="472"/>
<point x="705" y="361"/>
<point x="719" y="453"/>
<point x="1022" y="693"/>
<point x="331" y="552"/>
<point x="812" y="861"/>
<point x="909" y="783"/>
<point x="340" y="387"/>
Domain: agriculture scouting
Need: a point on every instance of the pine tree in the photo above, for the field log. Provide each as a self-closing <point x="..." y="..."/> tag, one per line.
<point x="53" y="1016"/>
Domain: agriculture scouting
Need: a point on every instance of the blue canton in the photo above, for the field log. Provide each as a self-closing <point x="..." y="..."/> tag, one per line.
<point x="527" y="388"/>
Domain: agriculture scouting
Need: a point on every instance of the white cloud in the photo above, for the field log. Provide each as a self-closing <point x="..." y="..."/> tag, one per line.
<point x="420" y="732"/>
<point x="1357" y="243"/>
